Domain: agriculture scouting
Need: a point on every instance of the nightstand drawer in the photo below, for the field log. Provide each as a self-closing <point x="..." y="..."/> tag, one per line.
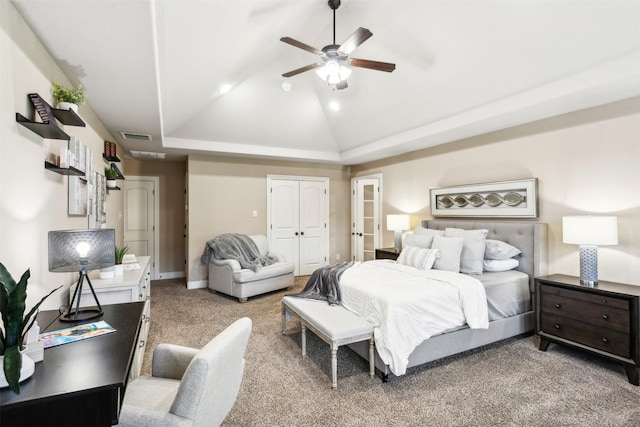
<point x="596" y="314"/>
<point x="577" y="331"/>
<point x="585" y="296"/>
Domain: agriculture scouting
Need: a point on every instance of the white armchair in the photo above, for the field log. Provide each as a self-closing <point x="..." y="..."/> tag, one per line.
<point x="226" y="276"/>
<point x="189" y="387"/>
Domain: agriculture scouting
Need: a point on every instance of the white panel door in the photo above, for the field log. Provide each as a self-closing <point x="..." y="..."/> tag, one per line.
<point x="298" y="221"/>
<point x="285" y="218"/>
<point x="313" y="223"/>
<point x="139" y="219"/>
<point x="365" y="231"/>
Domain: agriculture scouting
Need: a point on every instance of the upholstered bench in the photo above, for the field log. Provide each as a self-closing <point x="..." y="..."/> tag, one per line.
<point x="334" y="324"/>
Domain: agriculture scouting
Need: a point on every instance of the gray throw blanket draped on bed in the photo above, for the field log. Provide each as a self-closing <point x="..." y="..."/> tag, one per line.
<point x="324" y="284"/>
<point x="236" y="246"/>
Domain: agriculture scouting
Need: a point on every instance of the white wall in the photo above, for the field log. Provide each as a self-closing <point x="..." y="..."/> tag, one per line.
<point x="586" y="163"/>
<point x="33" y="200"/>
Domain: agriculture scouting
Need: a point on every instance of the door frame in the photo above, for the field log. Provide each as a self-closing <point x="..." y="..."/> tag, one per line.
<point x="327" y="205"/>
<point x="154" y="263"/>
<point x="377" y="176"/>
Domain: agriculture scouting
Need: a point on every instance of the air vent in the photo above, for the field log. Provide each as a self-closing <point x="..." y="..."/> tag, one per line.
<point x="147" y="154"/>
<point x="136" y="136"/>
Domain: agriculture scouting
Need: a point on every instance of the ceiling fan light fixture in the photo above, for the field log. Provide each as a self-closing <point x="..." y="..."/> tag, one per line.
<point x="334" y="71"/>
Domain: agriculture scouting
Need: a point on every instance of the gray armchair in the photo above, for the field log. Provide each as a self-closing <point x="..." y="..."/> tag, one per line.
<point x="189" y="387"/>
<point x="226" y="275"/>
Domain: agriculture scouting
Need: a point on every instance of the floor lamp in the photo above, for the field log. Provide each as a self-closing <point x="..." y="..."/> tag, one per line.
<point x="81" y="251"/>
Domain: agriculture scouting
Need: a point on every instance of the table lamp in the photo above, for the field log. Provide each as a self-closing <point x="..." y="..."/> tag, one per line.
<point x="397" y="224"/>
<point x="82" y="251"/>
<point x="589" y="232"/>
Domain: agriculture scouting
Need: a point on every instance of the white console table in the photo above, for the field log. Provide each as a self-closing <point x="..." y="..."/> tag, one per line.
<point x="132" y="286"/>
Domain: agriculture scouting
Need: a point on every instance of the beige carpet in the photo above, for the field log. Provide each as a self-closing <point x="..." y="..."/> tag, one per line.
<point x="511" y="384"/>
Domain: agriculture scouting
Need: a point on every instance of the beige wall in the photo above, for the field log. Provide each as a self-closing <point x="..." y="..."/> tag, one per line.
<point x="586" y="163"/>
<point x="33" y="200"/>
<point x="172" y="178"/>
<point x="223" y="192"/>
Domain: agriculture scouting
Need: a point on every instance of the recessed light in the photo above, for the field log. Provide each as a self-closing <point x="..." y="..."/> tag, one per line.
<point x="224" y="88"/>
<point x="286" y="86"/>
<point x="334" y="105"/>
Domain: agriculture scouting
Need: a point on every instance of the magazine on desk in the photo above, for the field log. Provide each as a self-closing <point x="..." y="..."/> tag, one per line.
<point x="75" y="333"/>
<point x="130" y="262"/>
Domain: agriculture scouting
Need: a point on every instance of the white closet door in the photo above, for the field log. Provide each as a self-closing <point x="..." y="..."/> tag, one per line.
<point x="313" y="223"/>
<point x="298" y="221"/>
<point x="285" y="219"/>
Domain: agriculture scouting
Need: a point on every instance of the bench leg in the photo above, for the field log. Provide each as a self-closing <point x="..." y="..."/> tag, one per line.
<point x="304" y="340"/>
<point x="334" y="366"/>
<point x="284" y="321"/>
<point x="372" y="361"/>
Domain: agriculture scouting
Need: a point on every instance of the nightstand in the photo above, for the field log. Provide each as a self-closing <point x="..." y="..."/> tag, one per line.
<point x="603" y="319"/>
<point x="387" y="253"/>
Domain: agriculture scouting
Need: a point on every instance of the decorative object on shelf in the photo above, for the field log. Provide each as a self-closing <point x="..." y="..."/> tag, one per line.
<point x="111" y="176"/>
<point x="16" y="365"/>
<point x="120" y="252"/>
<point x="398" y="224"/>
<point x="110" y="152"/>
<point x="69" y="98"/>
<point x="589" y="232"/>
<point x="506" y="199"/>
<point x="82" y="251"/>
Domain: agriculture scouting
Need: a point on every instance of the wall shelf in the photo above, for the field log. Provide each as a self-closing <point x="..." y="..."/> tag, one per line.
<point x="63" y="171"/>
<point x="110" y="158"/>
<point x="49" y="128"/>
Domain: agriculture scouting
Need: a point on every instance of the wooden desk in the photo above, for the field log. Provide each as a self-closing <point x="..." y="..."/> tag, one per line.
<point x="80" y="383"/>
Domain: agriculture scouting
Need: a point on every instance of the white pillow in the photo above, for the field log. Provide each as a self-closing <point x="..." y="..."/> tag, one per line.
<point x="473" y="249"/>
<point x="497" y="249"/>
<point x="427" y="231"/>
<point x="500" y="264"/>
<point x="418" y="257"/>
<point x="450" y="250"/>
<point x="418" y="240"/>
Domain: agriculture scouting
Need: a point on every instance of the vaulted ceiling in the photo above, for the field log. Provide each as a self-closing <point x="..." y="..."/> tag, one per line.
<point x="463" y="68"/>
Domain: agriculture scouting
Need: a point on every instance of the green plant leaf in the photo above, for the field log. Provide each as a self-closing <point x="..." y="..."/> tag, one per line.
<point x="11" y="366"/>
<point x="15" y="309"/>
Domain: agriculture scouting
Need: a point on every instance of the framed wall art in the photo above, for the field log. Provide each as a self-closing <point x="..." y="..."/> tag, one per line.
<point x="506" y="199"/>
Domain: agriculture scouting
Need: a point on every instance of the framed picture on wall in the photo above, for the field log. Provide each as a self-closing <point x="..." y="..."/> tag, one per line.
<point x="505" y="199"/>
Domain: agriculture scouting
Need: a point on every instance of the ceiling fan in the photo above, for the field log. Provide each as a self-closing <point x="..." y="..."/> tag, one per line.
<point x="335" y="65"/>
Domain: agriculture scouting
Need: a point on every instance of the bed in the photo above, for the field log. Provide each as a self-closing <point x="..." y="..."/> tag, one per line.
<point x="507" y="316"/>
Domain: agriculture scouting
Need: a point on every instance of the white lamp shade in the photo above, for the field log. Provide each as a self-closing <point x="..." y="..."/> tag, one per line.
<point x="398" y="222"/>
<point x="590" y="230"/>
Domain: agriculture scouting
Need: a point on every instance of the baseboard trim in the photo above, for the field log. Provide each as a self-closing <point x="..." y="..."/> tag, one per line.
<point x="197" y="284"/>
<point x="171" y="275"/>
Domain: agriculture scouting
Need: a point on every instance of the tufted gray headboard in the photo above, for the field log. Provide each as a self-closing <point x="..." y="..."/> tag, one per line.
<point x="529" y="237"/>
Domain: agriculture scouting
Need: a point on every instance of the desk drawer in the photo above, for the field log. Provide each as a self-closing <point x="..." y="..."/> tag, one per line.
<point x="596" y="314"/>
<point x="593" y="336"/>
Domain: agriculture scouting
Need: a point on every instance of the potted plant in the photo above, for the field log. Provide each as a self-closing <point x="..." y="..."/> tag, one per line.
<point x="69" y="98"/>
<point x="120" y="252"/>
<point x="111" y="176"/>
<point x="13" y="297"/>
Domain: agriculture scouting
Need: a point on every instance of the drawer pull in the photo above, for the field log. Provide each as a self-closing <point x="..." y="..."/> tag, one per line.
<point x="605" y="317"/>
<point x="604" y="301"/>
<point x="557" y="305"/>
<point x="557" y="326"/>
<point x="142" y="344"/>
<point x="605" y="340"/>
<point x="557" y="291"/>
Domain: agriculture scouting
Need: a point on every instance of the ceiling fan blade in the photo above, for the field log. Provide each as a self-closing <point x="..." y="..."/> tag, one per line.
<point x="302" y="69"/>
<point x="358" y="37"/>
<point x="373" y="65"/>
<point x="301" y="45"/>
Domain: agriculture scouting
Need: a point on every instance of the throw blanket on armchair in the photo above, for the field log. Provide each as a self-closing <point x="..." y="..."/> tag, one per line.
<point x="236" y="246"/>
<point x="324" y="284"/>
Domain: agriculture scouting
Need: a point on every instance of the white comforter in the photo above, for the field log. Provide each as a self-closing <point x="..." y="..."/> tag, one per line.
<point x="408" y="305"/>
